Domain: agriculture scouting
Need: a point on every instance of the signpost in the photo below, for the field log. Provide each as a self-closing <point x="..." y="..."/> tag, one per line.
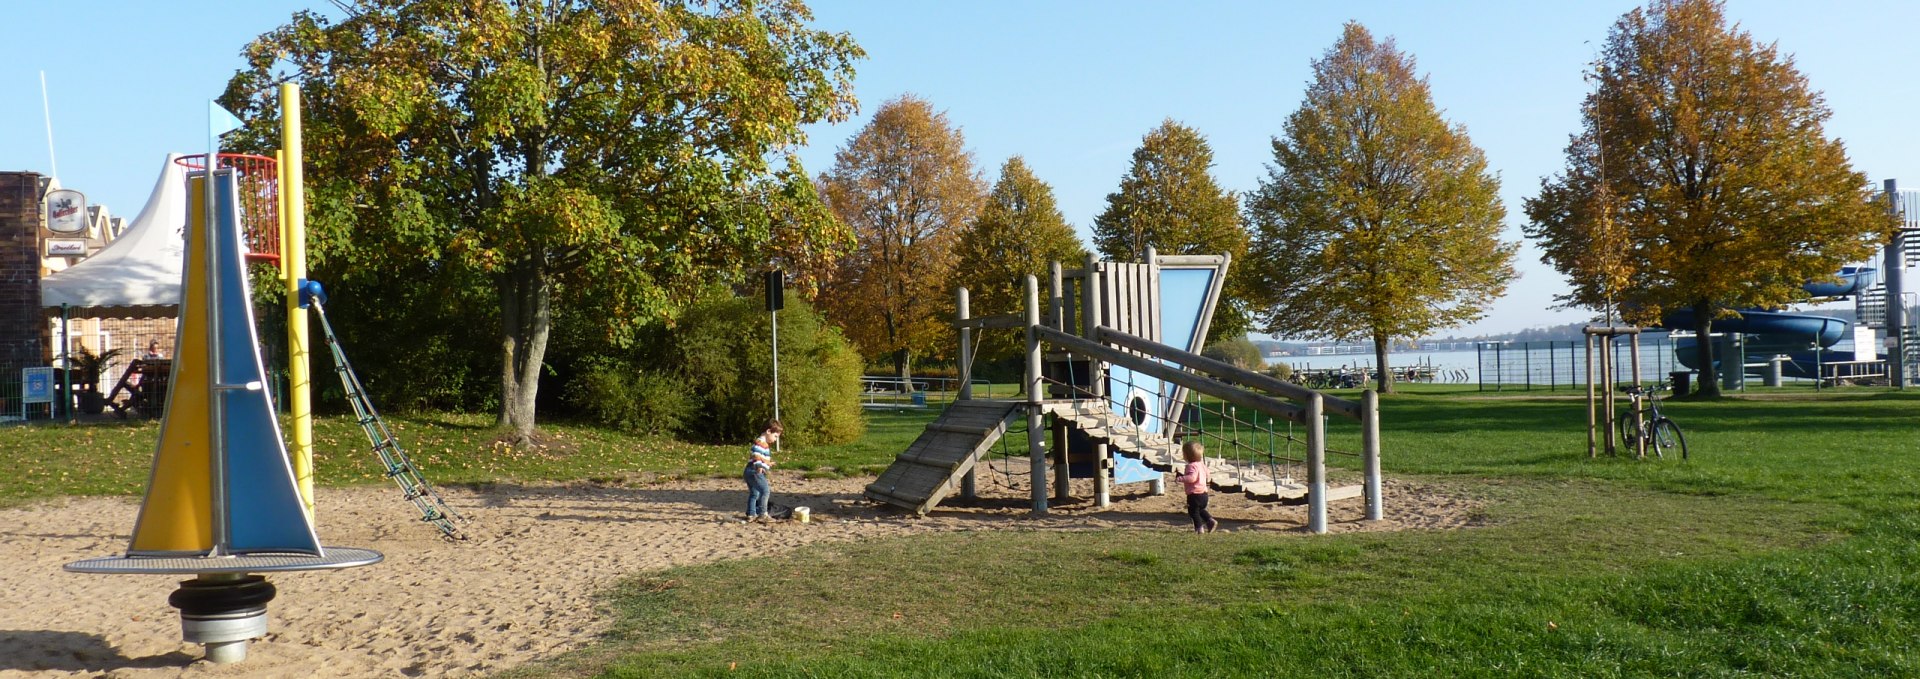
<point x="776" y="300"/>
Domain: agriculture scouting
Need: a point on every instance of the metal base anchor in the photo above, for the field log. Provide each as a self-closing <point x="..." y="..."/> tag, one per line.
<point x="223" y="611"/>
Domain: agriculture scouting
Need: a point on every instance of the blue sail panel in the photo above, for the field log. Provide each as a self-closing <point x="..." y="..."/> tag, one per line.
<point x="264" y="510"/>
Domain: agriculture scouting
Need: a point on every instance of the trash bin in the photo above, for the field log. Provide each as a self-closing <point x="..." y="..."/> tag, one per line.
<point x="1775" y="367"/>
<point x="919" y="398"/>
<point x="1682" y="379"/>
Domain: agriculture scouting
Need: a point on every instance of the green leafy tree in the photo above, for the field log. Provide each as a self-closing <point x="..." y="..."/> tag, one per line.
<point x="1169" y="201"/>
<point x="604" y="157"/>
<point x="1703" y="162"/>
<point x="1377" y="219"/>
<point x="1019" y="232"/>
<point x="907" y="186"/>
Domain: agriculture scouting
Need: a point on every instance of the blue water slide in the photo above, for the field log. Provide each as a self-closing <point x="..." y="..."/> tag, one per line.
<point x="1800" y="330"/>
<point x="1851" y="280"/>
<point x="1774" y="332"/>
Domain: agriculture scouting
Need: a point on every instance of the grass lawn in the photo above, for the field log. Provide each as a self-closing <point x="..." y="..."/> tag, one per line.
<point x="1786" y="546"/>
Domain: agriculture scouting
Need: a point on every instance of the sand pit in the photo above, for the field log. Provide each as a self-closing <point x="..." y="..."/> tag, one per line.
<point x="522" y="588"/>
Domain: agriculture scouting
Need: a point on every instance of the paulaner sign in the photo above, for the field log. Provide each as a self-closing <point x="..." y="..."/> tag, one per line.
<point x="66" y="211"/>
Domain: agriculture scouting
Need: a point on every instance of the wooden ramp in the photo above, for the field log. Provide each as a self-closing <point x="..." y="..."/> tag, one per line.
<point x="933" y="466"/>
<point x="1103" y="424"/>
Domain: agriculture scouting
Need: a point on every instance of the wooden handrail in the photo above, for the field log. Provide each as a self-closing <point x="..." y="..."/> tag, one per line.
<point x="1229" y="373"/>
<point x="1205" y="385"/>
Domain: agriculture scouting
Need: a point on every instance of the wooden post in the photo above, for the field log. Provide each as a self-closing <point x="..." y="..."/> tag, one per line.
<point x="1592" y="449"/>
<point x="1057" y="299"/>
<point x="1639" y="419"/>
<point x="1036" y="428"/>
<point x="1316" y="465"/>
<point x="1606" y="392"/>
<point x="1092" y="295"/>
<point x="969" y="488"/>
<point x="1057" y="317"/>
<point x="1370" y="450"/>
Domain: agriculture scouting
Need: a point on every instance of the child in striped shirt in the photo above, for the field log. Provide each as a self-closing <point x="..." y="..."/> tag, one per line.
<point x="759" y="462"/>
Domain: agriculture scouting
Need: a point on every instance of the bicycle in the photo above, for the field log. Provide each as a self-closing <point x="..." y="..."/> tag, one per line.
<point x="1660" y="432"/>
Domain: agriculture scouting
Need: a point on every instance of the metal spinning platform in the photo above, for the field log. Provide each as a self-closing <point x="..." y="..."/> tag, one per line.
<point x="333" y="558"/>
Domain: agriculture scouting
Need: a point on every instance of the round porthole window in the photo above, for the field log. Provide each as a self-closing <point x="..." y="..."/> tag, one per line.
<point x="1137" y="410"/>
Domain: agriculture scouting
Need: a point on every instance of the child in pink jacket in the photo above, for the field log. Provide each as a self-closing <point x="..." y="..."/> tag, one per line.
<point x="1195" y="479"/>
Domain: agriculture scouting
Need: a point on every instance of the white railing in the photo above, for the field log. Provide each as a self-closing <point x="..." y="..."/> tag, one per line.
<point x="917" y="392"/>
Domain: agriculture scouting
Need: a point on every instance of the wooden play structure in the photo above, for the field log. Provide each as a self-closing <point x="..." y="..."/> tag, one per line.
<point x="1112" y="357"/>
<point x="1600" y="413"/>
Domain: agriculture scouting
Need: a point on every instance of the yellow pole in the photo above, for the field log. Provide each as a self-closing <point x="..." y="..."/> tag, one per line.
<point x="293" y="264"/>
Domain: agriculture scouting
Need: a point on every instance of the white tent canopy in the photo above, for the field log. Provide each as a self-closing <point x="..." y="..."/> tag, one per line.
<point x="138" y="274"/>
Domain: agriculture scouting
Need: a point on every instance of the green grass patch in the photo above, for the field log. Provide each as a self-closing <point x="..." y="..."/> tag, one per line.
<point x="114" y="457"/>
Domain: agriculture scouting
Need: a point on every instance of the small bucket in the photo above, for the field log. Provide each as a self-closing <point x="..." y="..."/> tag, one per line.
<point x="802" y="514"/>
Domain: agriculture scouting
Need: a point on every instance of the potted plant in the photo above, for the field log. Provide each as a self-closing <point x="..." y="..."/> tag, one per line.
<point x="90" y="366"/>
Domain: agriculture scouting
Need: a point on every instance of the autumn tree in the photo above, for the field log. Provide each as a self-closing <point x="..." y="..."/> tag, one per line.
<point x="907" y="187"/>
<point x="1019" y="232"/>
<point x="1703" y="160"/>
<point x="1169" y="201"/>
<point x="598" y="157"/>
<point x="1377" y="219"/>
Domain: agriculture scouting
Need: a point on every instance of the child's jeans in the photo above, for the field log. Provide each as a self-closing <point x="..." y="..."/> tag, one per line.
<point x="758" y="493"/>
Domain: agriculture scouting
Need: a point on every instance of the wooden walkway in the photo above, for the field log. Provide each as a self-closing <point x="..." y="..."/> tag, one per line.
<point x="934" y="465"/>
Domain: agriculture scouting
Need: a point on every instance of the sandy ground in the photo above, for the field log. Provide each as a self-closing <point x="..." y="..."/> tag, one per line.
<point x="522" y="587"/>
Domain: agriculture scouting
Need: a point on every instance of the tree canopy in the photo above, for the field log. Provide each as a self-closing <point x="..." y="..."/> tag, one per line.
<point x="907" y="187"/>
<point x="1169" y="201"/>
<point x="1377" y="219"/>
<point x="1019" y="232"/>
<point x="1703" y="162"/>
<point x="605" y="157"/>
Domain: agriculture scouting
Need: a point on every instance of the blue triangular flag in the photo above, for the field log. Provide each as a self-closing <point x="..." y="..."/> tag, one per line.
<point x="219" y="121"/>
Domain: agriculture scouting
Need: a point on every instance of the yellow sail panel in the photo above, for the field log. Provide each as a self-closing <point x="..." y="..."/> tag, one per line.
<point x="177" y="515"/>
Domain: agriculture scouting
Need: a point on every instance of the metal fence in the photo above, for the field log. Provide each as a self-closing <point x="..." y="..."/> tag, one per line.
<point x="1562" y="364"/>
<point x="119" y="342"/>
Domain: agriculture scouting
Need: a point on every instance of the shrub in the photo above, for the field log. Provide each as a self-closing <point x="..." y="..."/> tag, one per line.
<point x="722" y="348"/>
<point x="1239" y="351"/>
<point x="618" y="394"/>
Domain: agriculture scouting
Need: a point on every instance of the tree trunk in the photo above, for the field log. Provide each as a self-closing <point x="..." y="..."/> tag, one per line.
<point x="525" y="319"/>
<point x="903" y="368"/>
<point x="1703" y="347"/>
<point x="1381" y="343"/>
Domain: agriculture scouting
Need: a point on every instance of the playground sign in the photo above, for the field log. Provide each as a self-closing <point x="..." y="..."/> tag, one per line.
<point x="36" y="385"/>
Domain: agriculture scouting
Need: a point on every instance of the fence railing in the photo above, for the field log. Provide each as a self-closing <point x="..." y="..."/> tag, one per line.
<point x="1562" y="364"/>
<point x="918" y="392"/>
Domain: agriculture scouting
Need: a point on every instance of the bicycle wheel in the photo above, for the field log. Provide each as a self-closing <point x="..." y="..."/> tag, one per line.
<point x="1667" y="438"/>
<point x="1627" y="432"/>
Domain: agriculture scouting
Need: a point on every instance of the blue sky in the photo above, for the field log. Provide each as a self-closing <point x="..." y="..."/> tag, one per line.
<point x="1072" y="86"/>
